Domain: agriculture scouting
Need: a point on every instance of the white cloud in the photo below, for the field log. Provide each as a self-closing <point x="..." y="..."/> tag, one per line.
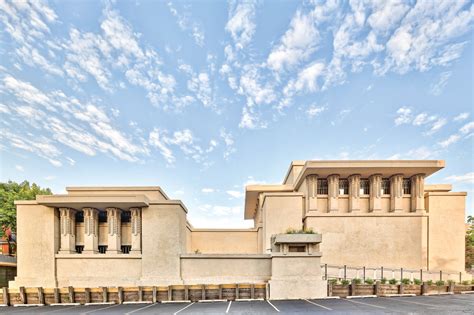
<point x="50" y="177"/>
<point x="156" y="138"/>
<point x="207" y="190"/>
<point x="450" y="140"/>
<point x="404" y="116"/>
<point x="19" y="168"/>
<point x="436" y="126"/>
<point x="438" y="87"/>
<point x="186" y="24"/>
<point x="235" y="193"/>
<point x="241" y="23"/>
<point x="229" y="143"/>
<point x="465" y="178"/>
<point x="315" y="110"/>
<point x="461" y="117"/>
<point x="467" y="128"/>
<point x="296" y="45"/>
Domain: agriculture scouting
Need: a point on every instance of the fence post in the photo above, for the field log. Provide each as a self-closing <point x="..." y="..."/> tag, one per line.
<point x="421" y="275"/>
<point x="401" y="274"/>
<point x="381" y="273"/>
<point x="5" y="295"/>
<point x="325" y="271"/>
<point x="460" y="277"/>
<point x="441" y="275"/>
<point x="364" y="274"/>
<point x="40" y="295"/>
<point x="345" y="272"/>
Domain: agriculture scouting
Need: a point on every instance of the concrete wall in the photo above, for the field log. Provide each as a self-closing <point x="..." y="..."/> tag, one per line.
<point x="209" y="241"/>
<point x="446" y="237"/>
<point x="219" y="269"/>
<point x="372" y="241"/>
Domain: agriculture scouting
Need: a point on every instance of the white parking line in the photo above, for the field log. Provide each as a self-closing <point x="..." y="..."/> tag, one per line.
<point x="139" y="309"/>
<point x="273" y="306"/>
<point x="326" y="308"/>
<point x="184" y="308"/>
<point x="62" y="309"/>
<point x="358" y="302"/>
<point x="99" y="309"/>
<point x="228" y="307"/>
<point x="456" y="299"/>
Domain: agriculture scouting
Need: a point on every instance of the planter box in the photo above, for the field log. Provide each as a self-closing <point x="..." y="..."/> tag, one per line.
<point x="458" y="288"/>
<point x="340" y="290"/>
<point x="229" y="291"/>
<point x="437" y="289"/>
<point x="384" y="289"/>
<point x="363" y="289"/>
<point x="297" y="238"/>
<point x="162" y="294"/>
<point x="412" y="289"/>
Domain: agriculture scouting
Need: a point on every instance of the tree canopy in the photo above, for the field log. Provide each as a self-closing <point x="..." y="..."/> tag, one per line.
<point x="11" y="191"/>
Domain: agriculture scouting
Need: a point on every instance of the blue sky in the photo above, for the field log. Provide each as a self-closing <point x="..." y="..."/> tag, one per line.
<point x="202" y="98"/>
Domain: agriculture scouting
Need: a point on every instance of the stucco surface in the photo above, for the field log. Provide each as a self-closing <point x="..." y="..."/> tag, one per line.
<point x="224" y="242"/>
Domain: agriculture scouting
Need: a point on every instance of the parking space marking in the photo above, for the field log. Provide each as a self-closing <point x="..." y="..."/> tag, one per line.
<point x="62" y="309"/>
<point x="228" y="307"/>
<point x="183" y="308"/>
<point x="141" y="308"/>
<point x="99" y="309"/>
<point x="411" y="302"/>
<point x="326" y="308"/>
<point x="268" y="301"/>
<point x="358" y="302"/>
<point x="458" y="299"/>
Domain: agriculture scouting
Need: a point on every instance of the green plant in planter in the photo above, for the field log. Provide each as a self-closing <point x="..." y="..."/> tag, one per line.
<point x="392" y="281"/>
<point x="406" y="281"/>
<point x="197" y="251"/>
<point x="439" y="283"/>
<point x="301" y="231"/>
<point x="472" y="281"/>
<point x="369" y="281"/>
<point x="451" y="282"/>
<point x="417" y="281"/>
<point x="466" y="282"/>
<point x="345" y="282"/>
<point x="383" y="280"/>
<point x="333" y="281"/>
<point x="429" y="282"/>
<point x="357" y="281"/>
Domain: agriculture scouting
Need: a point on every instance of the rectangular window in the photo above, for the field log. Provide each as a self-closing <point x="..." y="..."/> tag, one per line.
<point x="297" y="248"/>
<point x="126" y="249"/>
<point x="406" y="186"/>
<point x="102" y="216"/>
<point x="343" y="187"/>
<point x="385" y="186"/>
<point x="364" y="187"/>
<point x="79" y="249"/>
<point x="79" y="216"/>
<point x="102" y="249"/>
<point x="322" y="187"/>
<point x="126" y="215"/>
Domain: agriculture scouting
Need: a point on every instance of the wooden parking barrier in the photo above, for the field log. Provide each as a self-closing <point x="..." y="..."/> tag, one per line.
<point x="252" y="291"/>
<point x="40" y="295"/>
<point x="120" y="295"/>
<point x="162" y="294"/>
<point x="104" y="294"/>
<point x="153" y="295"/>
<point x="87" y="295"/>
<point x="229" y="292"/>
<point x="220" y="292"/>
<point x="71" y="295"/>
<point x="57" y="297"/>
<point x="5" y="296"/>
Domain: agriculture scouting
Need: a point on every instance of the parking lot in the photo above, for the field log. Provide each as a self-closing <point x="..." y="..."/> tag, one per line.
<point x="445" y="304"/>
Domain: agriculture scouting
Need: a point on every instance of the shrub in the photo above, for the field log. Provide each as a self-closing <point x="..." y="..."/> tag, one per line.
<point x="429" y="282"/>
<point x="345" y="282"/>
<point x="472" y="281"/>
<point x="466" y="282"/>
<point x="417" y="281"/>
<point x="392" y="281"/>
<point x="357" y="281"/>
<point x="406" y="281"/>
<point x="197" y="251"/>
<point x="301" y="231"/>
<point x="383" y="281"/>
<point x="451" y="282"/>
<point x="333" y="281"/>
<point x="439" y="283"/>
<point x="369" y="281"/>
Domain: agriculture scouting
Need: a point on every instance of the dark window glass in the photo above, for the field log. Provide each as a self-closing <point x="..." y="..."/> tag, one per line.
<point x="364" y="187"/>
<point x="322" y="187"/>
<point x="79" y="249"/>
<point x="385" y="186"/>
<point x="79" y="216"/>
<point x="126" y="215"/>
<point x="102" y="216"/>
<point x="406" y="186"/>
<point x="102" y="249"/>
<point x="126" y="249"/>
<point x="343" y="187"/>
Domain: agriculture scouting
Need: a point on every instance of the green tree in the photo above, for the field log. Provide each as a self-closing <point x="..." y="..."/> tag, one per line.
<point x="11" y="191"/>
<point x="470" y="242"/>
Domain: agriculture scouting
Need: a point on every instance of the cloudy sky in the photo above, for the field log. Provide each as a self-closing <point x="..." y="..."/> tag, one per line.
<point x="202" y="98"/>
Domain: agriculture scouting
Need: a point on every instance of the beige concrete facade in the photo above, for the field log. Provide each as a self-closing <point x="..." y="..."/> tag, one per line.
<point x="369" y="213"/>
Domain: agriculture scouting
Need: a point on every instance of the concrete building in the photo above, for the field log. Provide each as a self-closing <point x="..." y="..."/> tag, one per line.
<point x="368" y="213"/>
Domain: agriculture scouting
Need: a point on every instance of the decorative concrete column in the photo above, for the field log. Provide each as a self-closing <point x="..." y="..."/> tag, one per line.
<point x="396" y="193"/>
<point x="312" y="188"/>
<point x="91" y="231"/>
<point x="67" y="217"/>
<point x="333" y="193"/>
<point x="417" y="192"/>
<point x="114" y="237"/>
<point x="354" y="192"/>
<point x="136" y="230"/>
<point x="375" y="202"/>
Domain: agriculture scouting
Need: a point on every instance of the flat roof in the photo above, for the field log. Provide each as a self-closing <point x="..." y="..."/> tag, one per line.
<point x="98" y="201"/>
<point x="116" y="188"/>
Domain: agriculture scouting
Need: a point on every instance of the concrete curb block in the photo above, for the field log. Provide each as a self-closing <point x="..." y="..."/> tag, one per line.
<point x="361" y="296"/>
<point x="175" y="302"/>
<point x="3" y="305"/>
<point x="65" y="304"/>
<point x="27" y="305"/>
<point x="137" y="302"/>
<point x="99" y="303"/>
<point x="248" y="300"/>
<point x="328" y="298"/>
<point x="467" y="292"/>
<point x="210" y="301"/>
<point x="441" y="293"/>
<point x="399" y="295"/>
